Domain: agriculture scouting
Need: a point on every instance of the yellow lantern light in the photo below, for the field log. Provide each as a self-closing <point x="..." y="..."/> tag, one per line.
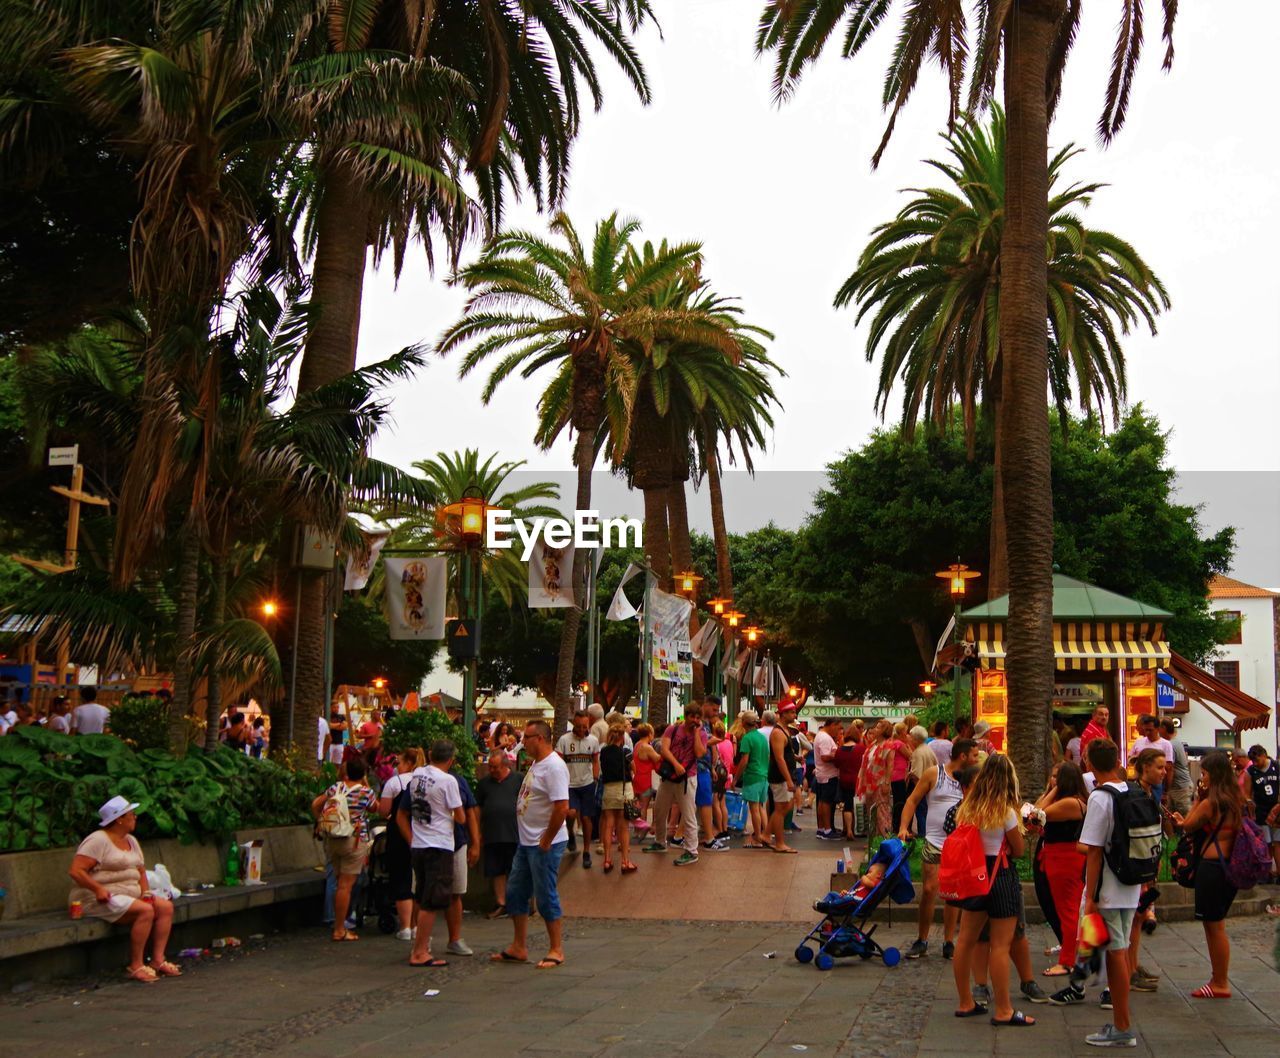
<point x="927" y="687"/>
<point x="734" y="617"/>
<point x="688" y="581"/>
<point x="379" y="683"/>
<point x="468" y="515"/>
<point x="956" y="575"/>
<point x="269" y="608"/>
<point x="719" y="606"/>
<point x="753" y="634"/>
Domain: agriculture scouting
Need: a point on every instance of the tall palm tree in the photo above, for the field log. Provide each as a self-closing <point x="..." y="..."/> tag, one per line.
<point x="930" y="279"/>
<point x="578" y="308"/>
<point x="1037" y="36"/>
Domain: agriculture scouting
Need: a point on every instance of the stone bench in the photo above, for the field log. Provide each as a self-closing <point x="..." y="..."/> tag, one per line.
<point x="38" y="940"/>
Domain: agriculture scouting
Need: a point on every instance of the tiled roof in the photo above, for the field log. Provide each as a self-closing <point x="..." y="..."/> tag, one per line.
<point x="1230" y="588"/>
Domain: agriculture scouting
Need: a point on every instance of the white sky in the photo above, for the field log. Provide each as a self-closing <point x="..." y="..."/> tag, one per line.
<point x="783" y="199"/>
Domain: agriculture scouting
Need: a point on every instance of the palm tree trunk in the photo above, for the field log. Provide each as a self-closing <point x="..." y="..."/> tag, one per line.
<point x="342" y="250"/>
<point x="682" y="557"/>
<point x="185" y="628"/>
<point x="998" y="549"/>
<point x="719" y="533"/>
<point x="1025" y="466"/>
<point x="213" y="692"/>
<point x="584" y="457"/>
<point x="657" y="545"/>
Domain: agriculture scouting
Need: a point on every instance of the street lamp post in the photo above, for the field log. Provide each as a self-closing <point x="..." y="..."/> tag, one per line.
<point x="732" y="619"/>
<point x="718" y="608"/>
<point x="466" y="520"/>
<point x="956" y="575"/>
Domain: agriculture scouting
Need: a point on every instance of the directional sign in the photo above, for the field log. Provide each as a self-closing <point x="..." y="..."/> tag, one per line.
<point x="64" y="457"/>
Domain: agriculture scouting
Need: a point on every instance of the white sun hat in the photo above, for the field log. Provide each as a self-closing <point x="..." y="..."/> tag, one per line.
<point x="114" y="809"/>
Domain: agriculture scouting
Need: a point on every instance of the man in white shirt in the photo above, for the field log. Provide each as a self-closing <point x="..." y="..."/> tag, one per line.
<point x="1106" y="895"/>
<point x="89" y="718"/>
<point x="827" y="777"/>
<point x="541" y="809"/>
<point x="322" y="736"/>
<point x="580" y="750"/>
<point x="435" y="804"/>
<point x="1149" y="737"/>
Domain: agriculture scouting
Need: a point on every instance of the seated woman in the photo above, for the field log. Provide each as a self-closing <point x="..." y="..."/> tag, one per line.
<point x="111" y="884"/>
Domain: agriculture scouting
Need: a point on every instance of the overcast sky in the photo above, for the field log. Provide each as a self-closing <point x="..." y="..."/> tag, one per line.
<point x="783" y="200"/>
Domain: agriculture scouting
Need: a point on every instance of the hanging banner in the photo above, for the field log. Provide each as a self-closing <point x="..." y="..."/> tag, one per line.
<point x="550" y="576"/>
<point x="669" y="625"/>
<point x="620" y="609"/>
<point x="760" y="683"/>
<point x="783" y="685"/>
<point x="358" y="570"/>
<point x="416" y="596"/>
<point x="704" y="642"/>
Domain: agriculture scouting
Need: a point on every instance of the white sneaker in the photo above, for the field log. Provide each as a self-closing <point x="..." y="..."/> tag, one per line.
<point x="404" y="934"/>
<point x="458" y="947"/>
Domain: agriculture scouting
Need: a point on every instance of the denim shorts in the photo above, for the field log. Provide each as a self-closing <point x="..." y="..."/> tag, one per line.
<point x="582" y="799"/>
<point x="535" y="873"/>
<point x="702" y="796"/>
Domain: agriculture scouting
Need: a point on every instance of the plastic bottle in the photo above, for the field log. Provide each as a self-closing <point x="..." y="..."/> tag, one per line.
<point x="232" y="874"/>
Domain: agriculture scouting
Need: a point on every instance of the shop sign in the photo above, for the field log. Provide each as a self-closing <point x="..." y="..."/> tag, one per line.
<point x="850" y="712"/>
<point x="1075" y="693"/>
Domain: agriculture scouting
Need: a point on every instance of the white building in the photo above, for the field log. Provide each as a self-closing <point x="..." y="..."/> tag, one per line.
<point x="1248" y="664"/>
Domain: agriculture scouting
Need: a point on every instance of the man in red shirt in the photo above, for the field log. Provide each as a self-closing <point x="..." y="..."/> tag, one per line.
<point x="1095" y="728"/>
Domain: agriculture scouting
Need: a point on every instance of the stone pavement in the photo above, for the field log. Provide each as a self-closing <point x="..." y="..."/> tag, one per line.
<point x="630" y="988"/>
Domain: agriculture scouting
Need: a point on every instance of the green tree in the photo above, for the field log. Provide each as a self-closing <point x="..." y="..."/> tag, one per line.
<point x="542" y="303"/>
<point x="1034" y="39"/>
<point x="930" y="278"/>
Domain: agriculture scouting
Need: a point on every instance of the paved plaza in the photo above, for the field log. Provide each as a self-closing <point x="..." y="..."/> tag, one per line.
<point x="630" y="988"/>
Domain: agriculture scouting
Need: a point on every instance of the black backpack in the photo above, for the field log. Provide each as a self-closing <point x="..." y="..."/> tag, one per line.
<point x="1137" y="838"/>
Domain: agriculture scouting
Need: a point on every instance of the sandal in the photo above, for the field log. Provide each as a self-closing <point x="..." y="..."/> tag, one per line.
<point x="166" y="969"/>
<point x="143" y="974"/>
<point x="549" y="962"/>
<point x="608" y="866"/>
<point x="1209" y="992"/>
<point x="628" y="867"/>
<point x="1019" y="1020"/>
<point x="1056" y="970"/>
<point x="345" y="935"/>
<point x="497" y="912"/>
<point x="976" y="1011"/>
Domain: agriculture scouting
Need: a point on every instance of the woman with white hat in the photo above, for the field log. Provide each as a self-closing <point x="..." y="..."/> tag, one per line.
<point x="110" y="878"/>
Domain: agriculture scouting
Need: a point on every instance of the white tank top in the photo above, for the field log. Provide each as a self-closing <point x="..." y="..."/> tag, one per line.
<point x="945" y="793"/>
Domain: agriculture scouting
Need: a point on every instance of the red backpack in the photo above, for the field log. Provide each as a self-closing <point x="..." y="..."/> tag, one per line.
<point x="963" y="872"/>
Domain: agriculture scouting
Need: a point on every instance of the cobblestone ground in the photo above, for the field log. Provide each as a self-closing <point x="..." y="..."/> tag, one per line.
<point x="630" y="988"/>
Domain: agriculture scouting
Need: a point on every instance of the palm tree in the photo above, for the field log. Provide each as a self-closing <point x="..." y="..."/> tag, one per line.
<point x="543" y="303"/>
<point x="931" y="277"/>
<point x="1037" y="36"/>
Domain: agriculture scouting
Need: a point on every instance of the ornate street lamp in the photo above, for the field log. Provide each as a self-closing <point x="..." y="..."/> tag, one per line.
<point x="688" y="581"/>
<point x="753" y="635"/>
<point x="957" y="575"/>
<point x="733" y="617"/>
<point x="927" y="687"/>
<point x="719" y="607"/>
<point x="467" y="515"/>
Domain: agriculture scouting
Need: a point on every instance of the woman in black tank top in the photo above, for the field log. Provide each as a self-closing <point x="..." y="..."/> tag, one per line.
<point x="1058" y="869"/>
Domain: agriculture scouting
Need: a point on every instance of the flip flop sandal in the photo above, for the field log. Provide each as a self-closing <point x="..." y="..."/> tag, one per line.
<point x="496" y="912"/>
<point x="976" y="1011"/>
<point x="628" y="868"/>
<point x="430" y="964"/>
<point x="142" y="974"/>
<point x="505" y="956"/>
<point x="345" y="935"/>
<point x="1057" y="970"/>
<point x="549" y="962"/>
<point x="1019" y="1020"/>
<point x="607" y="866"/>
<point x="787" y="852"/>
<point x="166" y="969"/>
<point x="1209" y="992"/>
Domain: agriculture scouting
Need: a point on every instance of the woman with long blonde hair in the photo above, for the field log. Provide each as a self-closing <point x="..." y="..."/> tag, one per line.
<point x="992" y="806"/>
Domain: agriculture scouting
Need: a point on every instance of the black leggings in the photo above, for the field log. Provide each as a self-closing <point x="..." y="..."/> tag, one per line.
<point x="899" y="800"/>
<point x="1044" y="896"/>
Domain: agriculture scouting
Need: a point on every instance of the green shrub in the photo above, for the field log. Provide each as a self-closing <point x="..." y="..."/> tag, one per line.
<point x="425" y="726"/>
<point x="52" y="784"/>
<point x="143" y="722"/>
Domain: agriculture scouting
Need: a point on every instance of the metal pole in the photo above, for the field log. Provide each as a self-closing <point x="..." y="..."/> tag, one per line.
<point x="646" y="650"/>
<point x="469" y="670"/>
<point x="293" y="655"/>
<point x="591" y="629"/>
<point x="955" y="667"/>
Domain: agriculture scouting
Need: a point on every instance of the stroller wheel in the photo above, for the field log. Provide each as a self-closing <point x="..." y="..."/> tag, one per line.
<point x="804" y="953"/>
<point x="892" y="956"/>
<point x="825" y="962"/>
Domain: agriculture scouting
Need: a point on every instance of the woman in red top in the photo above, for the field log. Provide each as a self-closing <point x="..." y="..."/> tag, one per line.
<point x="1214" y="821"/>
<point x="644" y="759"/>
<point x="848" y="763"/>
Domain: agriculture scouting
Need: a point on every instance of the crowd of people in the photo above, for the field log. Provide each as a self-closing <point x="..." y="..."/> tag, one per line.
<point x="610" y="785"/>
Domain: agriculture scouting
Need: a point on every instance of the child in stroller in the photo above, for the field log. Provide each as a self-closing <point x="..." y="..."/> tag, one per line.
<point x="843" y="932"/>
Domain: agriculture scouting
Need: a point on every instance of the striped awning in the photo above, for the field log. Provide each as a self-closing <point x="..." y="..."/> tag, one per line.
<point x="1085" y="645"/>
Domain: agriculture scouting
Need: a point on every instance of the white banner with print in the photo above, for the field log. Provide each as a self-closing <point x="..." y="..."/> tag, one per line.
<point x="550" y="576"/>
<point x="416" y="591"/>
<point x="360" y="570"/>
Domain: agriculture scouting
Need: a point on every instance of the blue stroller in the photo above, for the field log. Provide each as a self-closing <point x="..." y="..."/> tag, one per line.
<point x="843" y="933"/>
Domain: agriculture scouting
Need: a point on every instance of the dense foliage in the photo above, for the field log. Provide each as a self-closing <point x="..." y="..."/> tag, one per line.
<point x="141" y="722"/>
<point x="52" y="784"/>
<point x="422" y="727"/>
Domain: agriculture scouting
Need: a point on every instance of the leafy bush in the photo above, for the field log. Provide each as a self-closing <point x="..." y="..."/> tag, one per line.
<point x="52" y="784"/>
<point x="425" y="726"/>
<point x="143" y="723"/>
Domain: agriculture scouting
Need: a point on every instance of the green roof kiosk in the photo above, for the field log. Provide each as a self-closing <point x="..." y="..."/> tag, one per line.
<point x="1107" y="650"/>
